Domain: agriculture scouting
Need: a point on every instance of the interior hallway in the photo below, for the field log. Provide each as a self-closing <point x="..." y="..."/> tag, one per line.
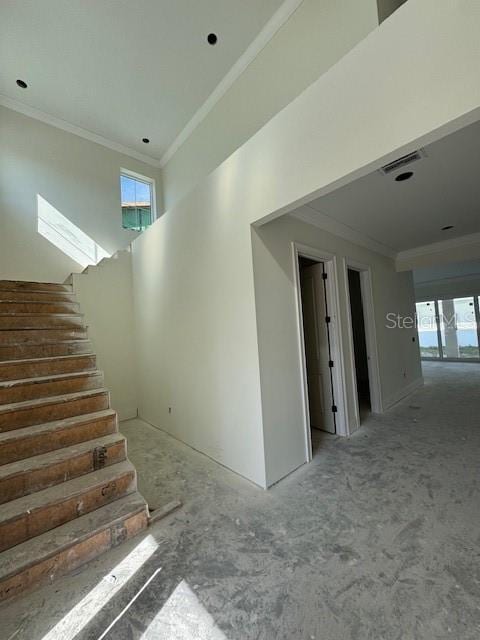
<point x="378" y="538"/>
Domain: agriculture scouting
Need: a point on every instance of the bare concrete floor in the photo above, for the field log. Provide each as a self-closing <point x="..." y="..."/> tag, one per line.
<point x="378" y="538"/>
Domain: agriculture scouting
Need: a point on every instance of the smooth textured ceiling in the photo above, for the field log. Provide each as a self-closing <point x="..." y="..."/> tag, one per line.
<point x="445" y="190"/>
<point x="124" y="69"/>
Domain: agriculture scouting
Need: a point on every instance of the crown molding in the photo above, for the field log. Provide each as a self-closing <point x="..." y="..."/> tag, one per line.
<point x="469" y="277"/>
<point x="53" y="121"/>
<point x="326" y="223"/>
<point x="438" y="247"/>
<point x="283" y="13"/>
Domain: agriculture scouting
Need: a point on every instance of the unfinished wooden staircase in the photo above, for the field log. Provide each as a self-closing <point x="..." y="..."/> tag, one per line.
<point x="67" y="490"/>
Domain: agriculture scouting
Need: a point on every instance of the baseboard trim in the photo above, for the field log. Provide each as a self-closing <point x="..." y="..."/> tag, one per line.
<point x="126" y="414"/>
<point x="187" y="444"/>
<point x="402" y="393"/>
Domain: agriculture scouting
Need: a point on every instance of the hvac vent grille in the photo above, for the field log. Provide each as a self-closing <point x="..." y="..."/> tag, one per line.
<point x="402" y="162"/>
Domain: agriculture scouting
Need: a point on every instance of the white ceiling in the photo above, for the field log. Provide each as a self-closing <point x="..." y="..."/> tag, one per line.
<point x="445" y="190"/>
<point x="124" y="69"/>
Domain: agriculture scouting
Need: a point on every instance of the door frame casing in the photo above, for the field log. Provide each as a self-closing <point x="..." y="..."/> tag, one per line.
<point x="366" y="287"/>
<point x="335" y="332"/>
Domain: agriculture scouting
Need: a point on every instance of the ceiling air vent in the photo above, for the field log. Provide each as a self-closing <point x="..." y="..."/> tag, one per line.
<point x="402" y="162"/>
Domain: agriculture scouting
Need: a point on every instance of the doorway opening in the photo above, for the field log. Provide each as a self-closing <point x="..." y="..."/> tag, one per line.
<point x="360" y="349"/>
<point x="319" y="334"/>
<point x="317" y="337"/>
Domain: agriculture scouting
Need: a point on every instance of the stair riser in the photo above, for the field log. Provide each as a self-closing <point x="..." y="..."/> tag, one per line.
<point x="35" y="445"/>
<point x="32" y="480"/>
<point x="73" y="557"/>
<point x="10" y="285"/>
<point x="38" y="307"/>
<point x="45" y="389"/>
<point x="19" y="371"/>
<point x="29" y="416"/>
<point x="26" y="351"/>
<point x="16" y="322"/>
<point x="48" y="516"/>
<point x="15" y="337"/>
<point x="37" y="296"/>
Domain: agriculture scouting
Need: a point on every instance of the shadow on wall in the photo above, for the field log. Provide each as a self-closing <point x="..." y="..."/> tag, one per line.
<point x="63" y="234"/>
<point x="387" y="7"/>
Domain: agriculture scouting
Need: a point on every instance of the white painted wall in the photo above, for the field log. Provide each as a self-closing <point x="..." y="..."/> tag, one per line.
<point x="193" y="276"/>
<point x="315" y="37"/>
<point x="282" y="396"/>
<point x="195" y="329"/>
<point x="105" y="295"/>
<point x="79" y="178"/>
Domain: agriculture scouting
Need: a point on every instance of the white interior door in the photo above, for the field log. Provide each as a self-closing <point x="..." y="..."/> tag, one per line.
<point x="317" y="352"/>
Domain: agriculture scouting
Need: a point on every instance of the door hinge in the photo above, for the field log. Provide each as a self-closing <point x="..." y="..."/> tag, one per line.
<point x="324" y="276"/>
<point x="334" y="408"/>
<point x="99" y="457"/>
<point x="328" y="319"/>
<point x="330" y="364"/>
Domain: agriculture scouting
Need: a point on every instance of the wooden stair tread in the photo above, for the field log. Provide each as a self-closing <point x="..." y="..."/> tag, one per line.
<point x="42" y="343"/>
<point x="23" y="336"/>
<point x="54" y="425"/>
<point x="66" y="397"/>
<point x="34" y="286"/>
<point x="38" y="306"/>
<point x="46" y="359"/>
<point x="58" y="455"/>
<point x="61" y="492"/>
<point x="40" y="315"/>
<point x="35" y="387"/>
<point x="50" y="543"/>
<point x="39" y="321"/>
<point x="30" y="350"/>
<point x="53" y="365"/>
<point x="23" y="295"/>
<point x="45" y="330"/>
<point x="8" y="384"/>
<point x="66" y="300"/>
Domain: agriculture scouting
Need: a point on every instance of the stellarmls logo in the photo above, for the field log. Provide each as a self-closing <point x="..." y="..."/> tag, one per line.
<point x="452" y="321"/>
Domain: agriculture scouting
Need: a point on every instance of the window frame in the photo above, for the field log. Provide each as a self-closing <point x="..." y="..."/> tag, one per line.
<point x="434" y="317"/>
<point x="441" y="348"/>
<point x="128" y="173"/>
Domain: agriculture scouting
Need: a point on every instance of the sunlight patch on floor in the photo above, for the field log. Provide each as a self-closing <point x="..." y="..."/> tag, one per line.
<point x="83" y="612"/>
<point x="183" y="617"/>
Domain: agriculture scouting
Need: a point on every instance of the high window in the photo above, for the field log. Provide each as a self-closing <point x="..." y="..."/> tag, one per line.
<point x="138" y="201"/>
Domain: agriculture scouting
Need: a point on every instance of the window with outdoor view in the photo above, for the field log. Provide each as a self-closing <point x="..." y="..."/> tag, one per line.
<point x="137" y="197"/>
<point x="449" y="329"/>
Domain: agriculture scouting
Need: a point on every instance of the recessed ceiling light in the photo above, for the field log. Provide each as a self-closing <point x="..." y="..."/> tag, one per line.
<point x="404" y="176"/>
<point x="212" y="39"/>
<point x="449" y="226"/>
<point x="22" y="84"/>
<point x="145" y="140"/>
